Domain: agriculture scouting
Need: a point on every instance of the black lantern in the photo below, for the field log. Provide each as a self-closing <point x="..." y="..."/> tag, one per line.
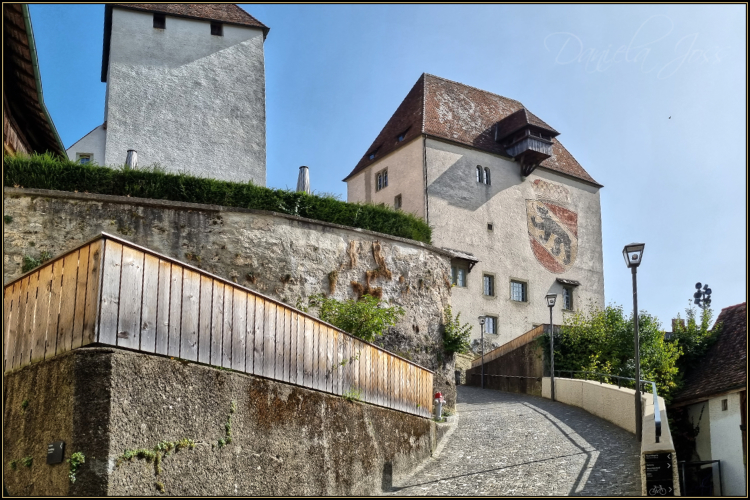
<point x="633" y="254"/>
<point x="551" y="299"/>
<point x="481" y="326"/>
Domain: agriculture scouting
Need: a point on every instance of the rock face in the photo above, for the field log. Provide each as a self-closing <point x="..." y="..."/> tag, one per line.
<point x="287" y="258"/>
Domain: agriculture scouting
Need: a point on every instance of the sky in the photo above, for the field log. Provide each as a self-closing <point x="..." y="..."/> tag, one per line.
<point x="650" y="99"/>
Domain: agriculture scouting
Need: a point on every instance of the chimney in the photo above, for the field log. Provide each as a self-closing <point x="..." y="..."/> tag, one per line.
<point x="303" y="181"/>
<point x="131" y="160"/>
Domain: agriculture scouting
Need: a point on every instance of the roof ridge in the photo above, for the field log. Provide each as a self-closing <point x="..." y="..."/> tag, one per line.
<point x="475" y="88"/>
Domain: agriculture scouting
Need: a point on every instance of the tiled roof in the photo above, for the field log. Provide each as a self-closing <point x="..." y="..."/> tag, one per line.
<point x="450" y="110"/>
<point x="724" y="367"/>
<point x="224" y="12"/>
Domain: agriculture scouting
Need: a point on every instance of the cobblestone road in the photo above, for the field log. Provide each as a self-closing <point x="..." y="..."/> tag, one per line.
<point x="514" y="444"/>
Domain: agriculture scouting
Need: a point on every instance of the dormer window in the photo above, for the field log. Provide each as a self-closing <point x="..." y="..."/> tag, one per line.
<point x="160" y="21"/>
<point x="217" y="29"/>
<point x="372" y="154"/>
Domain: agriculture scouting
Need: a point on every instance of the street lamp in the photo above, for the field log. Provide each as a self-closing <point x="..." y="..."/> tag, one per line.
<point x="633" y="254"/>
<point x="481" y="327"/>
<point x="551" y="299"/>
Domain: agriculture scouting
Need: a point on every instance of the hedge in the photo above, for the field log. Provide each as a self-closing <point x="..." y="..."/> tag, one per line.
<point x="49" y="172"/>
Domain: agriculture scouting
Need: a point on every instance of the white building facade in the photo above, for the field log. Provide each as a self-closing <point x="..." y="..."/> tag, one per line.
<point x="185" y="89"/>
<point x="531" y="226"/>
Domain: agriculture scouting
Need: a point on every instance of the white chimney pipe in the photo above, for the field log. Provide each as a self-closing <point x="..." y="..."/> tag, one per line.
<point x="131" y="160"/>
<point x="303" y="181"/>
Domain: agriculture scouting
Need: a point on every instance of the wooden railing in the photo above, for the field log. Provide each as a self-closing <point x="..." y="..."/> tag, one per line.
<point x="112" y="292"/>
<point x="509" y="346"/>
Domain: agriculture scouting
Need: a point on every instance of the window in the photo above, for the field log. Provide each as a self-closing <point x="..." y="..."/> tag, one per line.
<point x="483" y="175"/>
<point x="160" y="21"/>
<point x="381" y="180"/>
<point x="397" y="202"/>
<point x="487" y="176"/>
<point x="401" y="136"/>
<point x="724" y="405"/>
<point x="372" y="154"/>
<point x="490" y="325"/>
<point x="217" y="29"/>
<point x="459" y="276"/>
<point x="84" y="158"/>
<point x="518" y="291"/>
<point x="479" y="173"/>
<point x="490" y="227"/>
<point x="567" y="297"/>
<point x="489" y="285"/>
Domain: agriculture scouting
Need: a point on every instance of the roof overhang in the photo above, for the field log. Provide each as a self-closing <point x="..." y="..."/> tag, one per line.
<point x="457" y="254"/>
<point x="568" y="282"/>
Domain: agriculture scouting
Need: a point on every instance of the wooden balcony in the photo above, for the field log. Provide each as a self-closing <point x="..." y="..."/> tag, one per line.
<point x="112" y="292"/>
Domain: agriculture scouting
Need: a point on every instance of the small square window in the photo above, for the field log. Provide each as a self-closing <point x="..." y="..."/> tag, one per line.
<point x="84" y="158"/>
<point x="518" y="291"/>
<point x="489" y="285"/>
<point x="217" y="29"/>
<point x="490" y="325"/>
<point x="567" y="297"/>
<point x="381" y="180"/>
<point x="459" y="276"/>
<point x="160" y="21"/>
<point x="724" y="405"/>
<point x="397" y="202"/>
<point x="490" y="227"/>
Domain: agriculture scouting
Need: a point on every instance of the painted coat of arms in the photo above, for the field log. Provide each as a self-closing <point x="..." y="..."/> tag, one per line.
<point x="553" y="233"/>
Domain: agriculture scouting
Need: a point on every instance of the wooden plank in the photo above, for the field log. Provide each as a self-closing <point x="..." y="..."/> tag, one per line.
<point x="319" y="356"/>
<point x="239" y="329"/>
<point x="150" y="303"/>
<point x="110" y="298"/>
<point x="346" y="369"/>
<point x="339" y="362"/>
<point x="68" y="303"/>
<point x="81" y="286"/>
<point x="39" y="333"/>
<point x="31" y="309"/>
<point x="53" y="315"/>
<point x="17" y="338"/>
<point x="161" y="345"/>
<point x="278" y="360"/>
<point x="226" y="336"/>
<point x="93" y="289"/>
<point x="327" y="370"/>
<point x="288" y="361"/>
<point x="10" y="317"/>
<point x="205" y="313"/>
<point x="217" y="323"/>
<point x="307" y="354"/>
<point x="269" y="340"/>
<point x="250" y="334"/>
<point x="293" y="334"/>
<point x="24" y="320"/>
<point x="131" y="290"/>
<point x="258" y="339"/>
<point x="300" y="350"/>
<point x="356" y="365"/>
<point x="191" y="291"/>
<point x="175" y="311"/>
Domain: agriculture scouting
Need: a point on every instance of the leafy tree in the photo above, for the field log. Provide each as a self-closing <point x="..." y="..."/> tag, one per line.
<point x="455" y="335"/>
<point x="695" y="337"/>
<point x="365" y="318"/>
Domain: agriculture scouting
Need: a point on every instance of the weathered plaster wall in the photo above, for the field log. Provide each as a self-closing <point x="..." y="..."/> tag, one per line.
<point x="726" y="443"/>
<point x="93" y="143"/>
<point x="405" y="177"/>
<point x="459" y="209"/>
<point x="285" y="257"/>
<point x="700" y="416"/>
<point x="187" y="99"/>
<point x="286" y="440"/>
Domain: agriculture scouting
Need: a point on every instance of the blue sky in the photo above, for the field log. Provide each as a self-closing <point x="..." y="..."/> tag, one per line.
<point x="608" y="77"/>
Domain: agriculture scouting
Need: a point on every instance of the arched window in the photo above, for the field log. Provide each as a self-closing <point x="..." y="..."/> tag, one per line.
<point x="479" y="173"/>
<point x="487" y="176"/>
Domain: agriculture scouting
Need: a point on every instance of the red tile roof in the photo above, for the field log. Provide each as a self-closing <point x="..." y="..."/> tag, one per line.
<point x="450" y="110"/>
<point x="724" y="367"/>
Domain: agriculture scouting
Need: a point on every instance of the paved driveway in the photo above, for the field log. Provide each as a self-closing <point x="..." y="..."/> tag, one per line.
<point x="514" y="444"/>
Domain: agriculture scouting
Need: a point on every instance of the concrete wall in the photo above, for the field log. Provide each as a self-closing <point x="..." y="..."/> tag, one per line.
<point x="405" y="177"/>
<point x="459" y="209"/>
<point x="286" y="440"/>
<point x="187" y="99"/>
<point x="519" y="370"/>
<point x="285" y="257"/>
<point x="726" y="443"/>
<point x="94" y="142"/>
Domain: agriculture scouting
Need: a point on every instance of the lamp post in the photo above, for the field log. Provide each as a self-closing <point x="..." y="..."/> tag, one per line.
<point x="481" y="327"/>
<point x="551" y="299"/>
<point x="633" y="254"/>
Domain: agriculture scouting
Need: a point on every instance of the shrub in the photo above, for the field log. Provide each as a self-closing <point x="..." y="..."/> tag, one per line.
<point x="49" y="172"/>
<point x="364" y="318"/>
<point x="455" y="335"/>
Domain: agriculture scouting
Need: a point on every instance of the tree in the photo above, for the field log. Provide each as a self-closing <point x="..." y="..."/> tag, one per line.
<point x="455" y="335"/>
<point x="365" y="318"/>
<point x="695" y="337"/>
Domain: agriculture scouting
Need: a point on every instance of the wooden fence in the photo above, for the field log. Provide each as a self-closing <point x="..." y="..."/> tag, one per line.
<point x="510" y="346"/>
<point x="112" y="292"/>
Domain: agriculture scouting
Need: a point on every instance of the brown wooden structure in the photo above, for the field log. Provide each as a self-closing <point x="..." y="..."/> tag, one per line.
<point x="110" y="291"/>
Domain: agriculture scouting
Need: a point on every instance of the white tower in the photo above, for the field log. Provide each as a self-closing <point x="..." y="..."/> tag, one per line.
<point x="185" y="89"/>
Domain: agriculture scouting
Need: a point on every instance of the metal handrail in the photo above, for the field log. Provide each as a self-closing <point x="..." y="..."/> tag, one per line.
<point x="657" y="413"/>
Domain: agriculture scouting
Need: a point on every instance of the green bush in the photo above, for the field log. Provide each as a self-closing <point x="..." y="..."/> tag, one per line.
<point x="455" y="335"/>
<point x="49" y="172"/>
<point x="364" y="318"/>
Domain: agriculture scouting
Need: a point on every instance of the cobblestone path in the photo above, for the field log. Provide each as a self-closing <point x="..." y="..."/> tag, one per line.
<point x="514" y="444"/>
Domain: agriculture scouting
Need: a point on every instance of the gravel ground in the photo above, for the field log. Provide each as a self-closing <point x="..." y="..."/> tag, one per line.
<point x="515" y="444"/>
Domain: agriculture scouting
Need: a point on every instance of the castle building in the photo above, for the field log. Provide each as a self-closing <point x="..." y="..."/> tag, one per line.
<point x="520" y="213"/>
<point x="185" y="89"/>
